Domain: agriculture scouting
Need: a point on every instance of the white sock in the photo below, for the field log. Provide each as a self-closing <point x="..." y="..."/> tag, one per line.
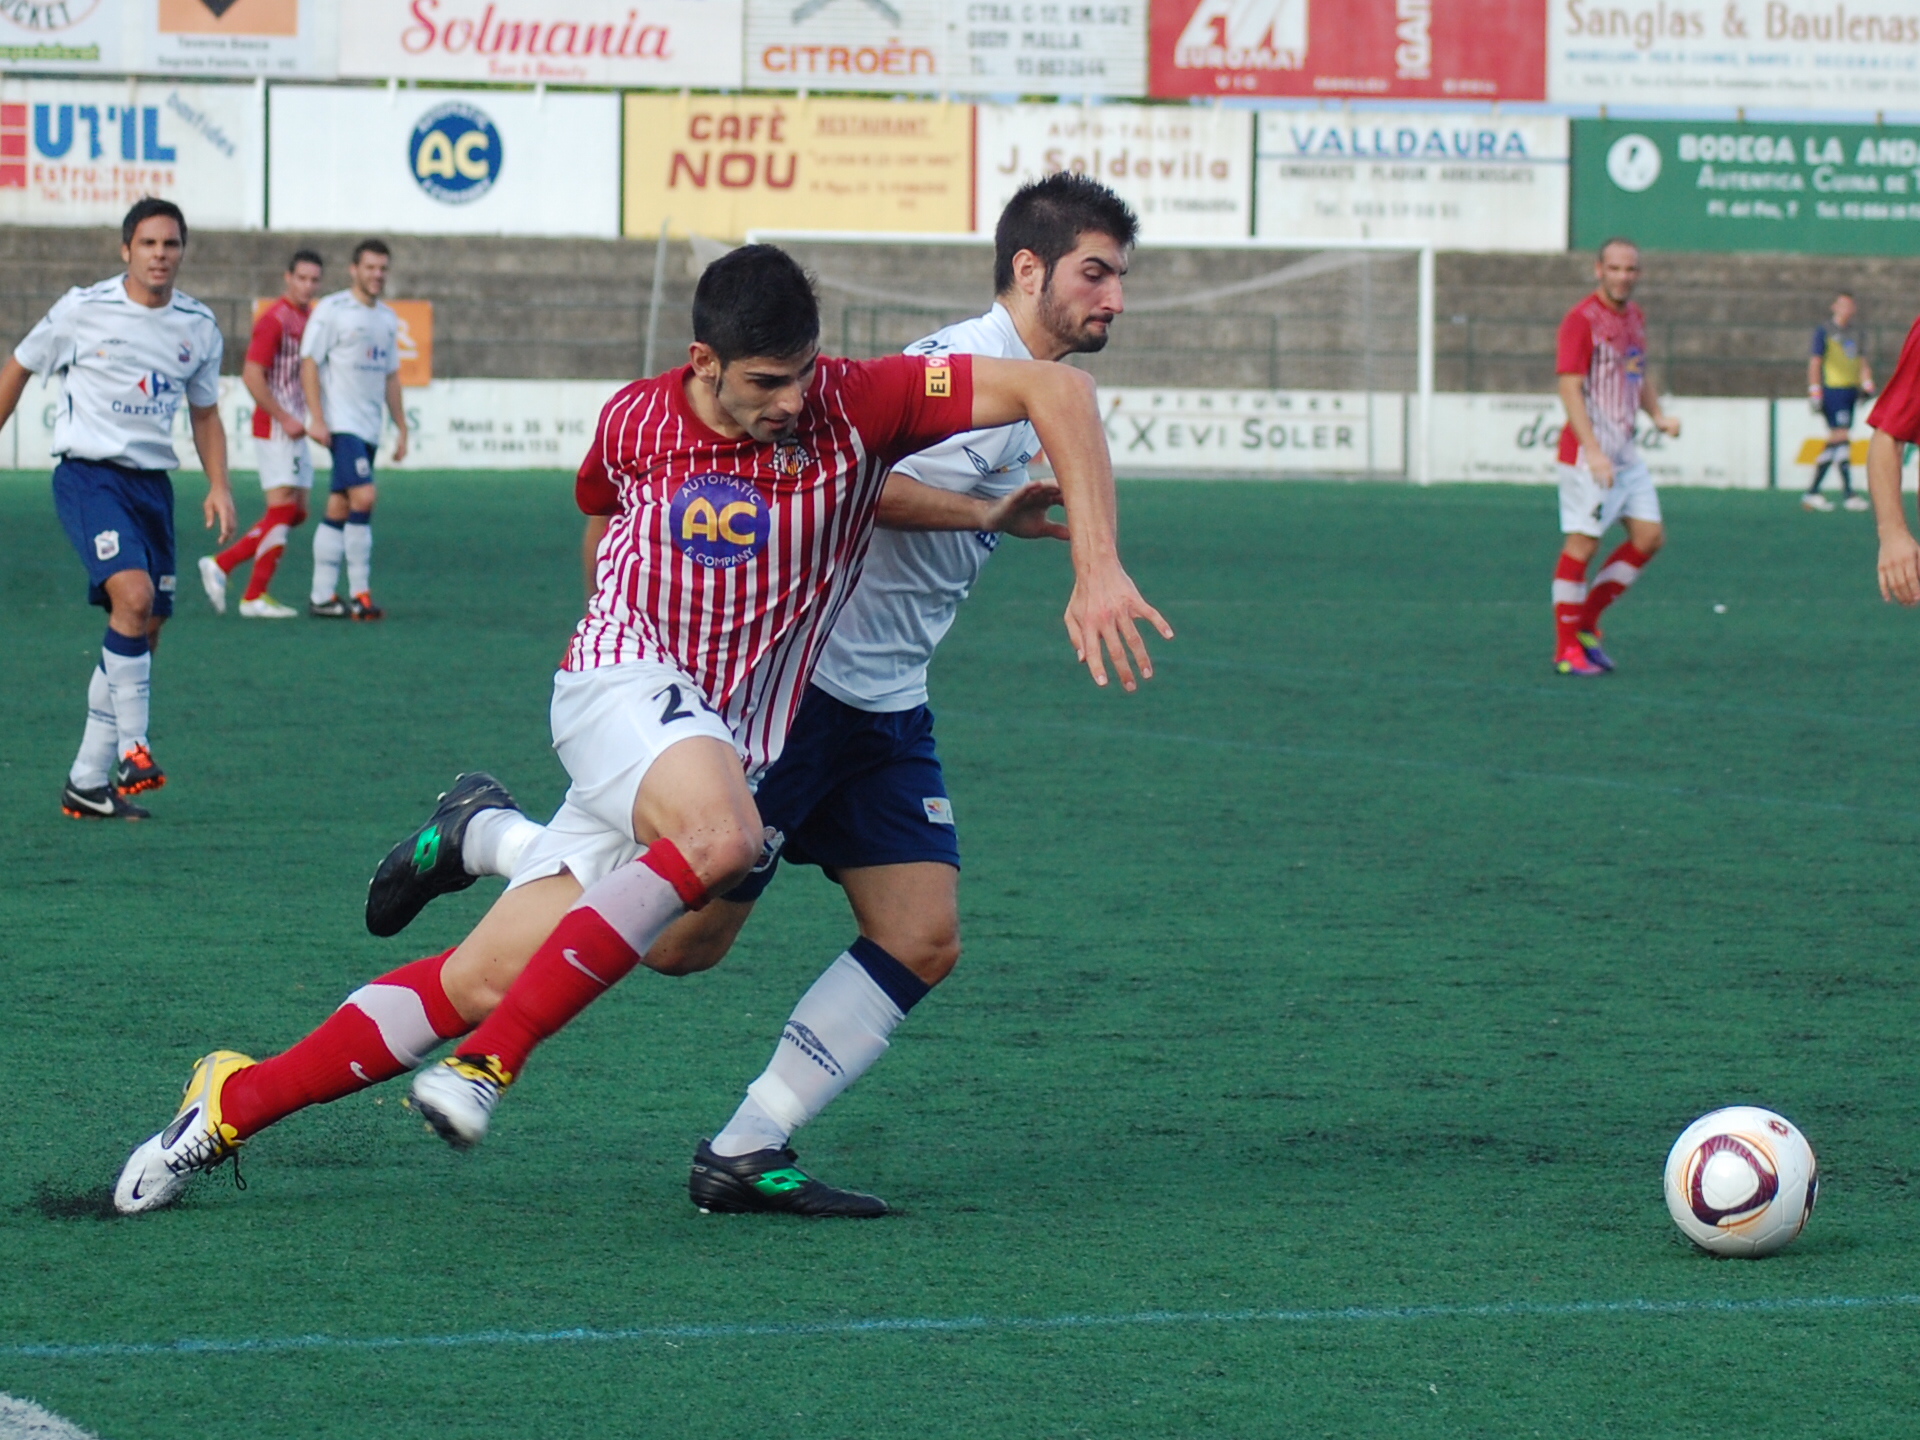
<point x="359" y="543"/>
<point x="839" y="1028"/>
<point x="495" y="841"/>
<point x="99" y="745"/>
<point x="129" y="688"/>
<point x="328" y="546"/>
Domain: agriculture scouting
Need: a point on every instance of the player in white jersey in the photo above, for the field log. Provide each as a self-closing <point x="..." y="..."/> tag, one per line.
<point x="858" y="790"/>
<point x="128" y="352"/>
<point x="350" y="369"/>
<point x="742" y="489"/>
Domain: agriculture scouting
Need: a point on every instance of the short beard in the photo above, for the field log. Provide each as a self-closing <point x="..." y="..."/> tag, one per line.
<point x="1057" y="323"/>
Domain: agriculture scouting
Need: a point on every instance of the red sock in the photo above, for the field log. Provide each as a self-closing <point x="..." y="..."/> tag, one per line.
<point x="383" y="1029"/>
<point x="1623" y="567"/>
<point x="273" y="545"/>
<point x="1569" y="599"/>
<point x="592" y="948"/>
<point x="241" y="551"/>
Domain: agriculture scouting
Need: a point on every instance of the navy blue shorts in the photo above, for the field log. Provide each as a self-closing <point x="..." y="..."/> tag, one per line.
<point x="1837" y="406"/>
<point x="352" y="461"/>
<point x="854" y="788"/>
<point x="118" y="519"/>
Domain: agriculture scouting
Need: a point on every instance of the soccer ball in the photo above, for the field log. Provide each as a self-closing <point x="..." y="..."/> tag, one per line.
<point x="1741" y="1181"/>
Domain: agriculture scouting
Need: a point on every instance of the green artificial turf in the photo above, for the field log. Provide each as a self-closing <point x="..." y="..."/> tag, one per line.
<point x="1359" y="964"/>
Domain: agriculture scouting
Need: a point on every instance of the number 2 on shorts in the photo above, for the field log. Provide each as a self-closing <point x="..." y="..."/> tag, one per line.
<point x="673" y="710"/>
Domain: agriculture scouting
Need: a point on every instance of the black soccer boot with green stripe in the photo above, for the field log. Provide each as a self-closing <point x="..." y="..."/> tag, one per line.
<point x="770" y="1182"/>
<point x="427" y="863"/>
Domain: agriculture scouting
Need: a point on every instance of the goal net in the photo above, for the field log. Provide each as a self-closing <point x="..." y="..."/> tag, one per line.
<point x="1234" y="358"/>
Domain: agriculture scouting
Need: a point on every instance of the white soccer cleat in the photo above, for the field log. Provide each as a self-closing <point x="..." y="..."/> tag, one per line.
<point x="266" y="608"/>
<point x="1814" y="500"/>
<point x="214" y="580"/>
<point x="157" y="1172"/>
<point x="1857" y="502"/>
<point x="457" y="1097"/>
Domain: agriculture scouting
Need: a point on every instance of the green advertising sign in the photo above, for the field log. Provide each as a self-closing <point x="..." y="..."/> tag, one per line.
<point x="1694" y="185"/>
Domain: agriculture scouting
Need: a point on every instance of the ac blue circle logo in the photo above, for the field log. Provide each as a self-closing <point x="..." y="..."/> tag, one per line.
<point x="718" y="520"/>
<point x="455" y="153"/>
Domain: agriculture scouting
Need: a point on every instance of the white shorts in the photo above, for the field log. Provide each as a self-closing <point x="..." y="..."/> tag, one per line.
<point x="1586" y="509"/>
<point x="284" y="462"/>
<point x="609" y="726"/>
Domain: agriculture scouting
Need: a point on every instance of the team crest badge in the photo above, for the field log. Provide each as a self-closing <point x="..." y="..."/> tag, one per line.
<point x="790" y="457"/>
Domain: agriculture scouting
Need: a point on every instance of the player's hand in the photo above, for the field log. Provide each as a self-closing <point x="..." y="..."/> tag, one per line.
<point x="1815" y="398"/>
<point x="1900" y="568"/>
<point x="318" y="433"/>
<point x="1601" y="468"/>
<point x="1105" y="611"/>
<point x="293" y="429"/>
<point x="1023" y="514"/>
<point x="1667" y="425"/>
<point x="400" y="448"/>
<point x="218" y="508"/>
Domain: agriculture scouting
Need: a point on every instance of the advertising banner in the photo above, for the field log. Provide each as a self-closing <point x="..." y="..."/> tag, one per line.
<point x="1374" y="49"/>
<point x="1465" y="181"/>
<point x="1051" y="47"/>
<point x="1186" y="170"/>
<point x="1516" y="438"/>
<point x="464" y="162"/>
<point x="1824" y="189"/>
<point x="74" y="36"/>
<point x="886" y="45"/>
<point x="1779" y="54"/>
<point x="721" y="165"/>
<point x="559" y="42"/>
<point x="1254" y="432"/>
<point x="233" y="37"/>
<point x="79" y="152"/>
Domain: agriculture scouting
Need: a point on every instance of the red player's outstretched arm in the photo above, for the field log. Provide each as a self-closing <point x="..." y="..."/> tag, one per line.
<point x="1060" y="403"/>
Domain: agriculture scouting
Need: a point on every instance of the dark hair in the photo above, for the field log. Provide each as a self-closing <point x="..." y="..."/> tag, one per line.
<point x="145" y="210"/>
<point x="1049" y="216"/>
<point x="1610" y="242"/>
<point x="371" y="246"/>
<point x="305" y="257"/>
<point x="755" y="301"/>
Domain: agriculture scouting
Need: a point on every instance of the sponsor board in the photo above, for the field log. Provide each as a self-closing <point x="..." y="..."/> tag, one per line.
<point x="1373" y="49"/>
<point x="1778" y="54"/>
<point x="234" y="37"/>
<point x="1799" y="435"/>
<point x="893" y="46"/>
<point x="79" y="152"/>
<point x="1185" y="170"/>
<point x="1254" y="432"/>
<point x="1515" y="438"/>
<point x="1463" y="180"/>
<point x="1050" y="47"/>
<point x="722" y="165"/>
<point x="468" y="162"/>
<point x="1826" y="189"/>
<point x="556" y="42"/>
<point x="73" y="36"/>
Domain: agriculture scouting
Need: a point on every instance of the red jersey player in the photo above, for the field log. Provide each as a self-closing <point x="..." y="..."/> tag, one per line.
<point x="272" y="377"/>
<point x="743" y="489"/>
<point x="1604" y="385"/>
<point x="1896" y="425"/>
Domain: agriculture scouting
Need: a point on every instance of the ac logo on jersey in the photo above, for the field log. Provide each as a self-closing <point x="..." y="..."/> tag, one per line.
<point x="719" y="521"/>
<point x="1636" y="360"/>
<point x="790" y="457"/>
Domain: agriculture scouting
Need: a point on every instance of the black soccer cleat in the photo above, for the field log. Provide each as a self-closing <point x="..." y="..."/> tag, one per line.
<point x="427" y="863"/>
<point x="104" y="803"/>
<point x="770" y="1182"/>
<point x="333" y="608"/>
<point x="137" y="772"/>
<point x="363" y="608"/>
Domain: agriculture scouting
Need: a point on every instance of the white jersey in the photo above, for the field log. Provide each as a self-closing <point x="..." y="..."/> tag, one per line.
<point x="913" y="582"/>
<point x="124" y="370"/>
<point x="355" y="347"/>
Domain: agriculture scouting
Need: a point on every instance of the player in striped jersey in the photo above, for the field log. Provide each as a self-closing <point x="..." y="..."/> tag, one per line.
<point x="1604" y="385"/>
<point x="272" y="377"/>
<point x="742" y="490"/>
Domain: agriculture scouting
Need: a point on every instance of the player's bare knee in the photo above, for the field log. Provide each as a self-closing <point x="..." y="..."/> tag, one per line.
<point x="934" y="958"/>
<point x="722" y="855"/>
<point x="685" y="957"/>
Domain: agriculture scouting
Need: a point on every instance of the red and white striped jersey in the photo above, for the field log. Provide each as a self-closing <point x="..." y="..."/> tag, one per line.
<point x="276" y="346"/>
<point x="730" y="558"/>
<point x="1609" y="348"/>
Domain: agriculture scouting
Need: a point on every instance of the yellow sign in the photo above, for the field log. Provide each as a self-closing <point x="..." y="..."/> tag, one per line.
<point x="721" y="165"/>
<point x="1812" y="448"/>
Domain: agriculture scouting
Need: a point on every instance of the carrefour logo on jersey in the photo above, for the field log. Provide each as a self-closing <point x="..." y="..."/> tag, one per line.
<point x="718" y="520"/>
<point x="454" y="153"/>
